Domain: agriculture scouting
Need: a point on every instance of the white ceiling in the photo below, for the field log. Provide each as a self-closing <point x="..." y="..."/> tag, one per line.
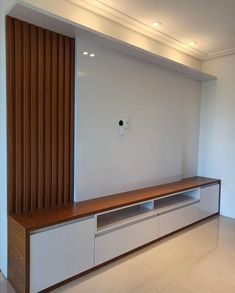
<point x="210" y="22"/>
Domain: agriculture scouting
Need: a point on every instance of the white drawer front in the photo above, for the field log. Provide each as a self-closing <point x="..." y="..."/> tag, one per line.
<point x="209" y="201"/>
<point x="60" y="253"/>
<point x="178" y="219"/>
<point x="117" y="242"/>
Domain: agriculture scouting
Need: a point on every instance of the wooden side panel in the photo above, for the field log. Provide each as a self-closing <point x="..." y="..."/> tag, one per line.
<point x="18" y="253"/>
<point x="40" y="89"/>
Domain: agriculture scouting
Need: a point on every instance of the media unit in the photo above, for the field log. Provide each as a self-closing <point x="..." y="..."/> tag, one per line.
<point x="49" y="247"/>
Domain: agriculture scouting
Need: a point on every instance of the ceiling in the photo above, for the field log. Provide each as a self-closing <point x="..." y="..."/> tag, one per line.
<point x="211" y="23"/>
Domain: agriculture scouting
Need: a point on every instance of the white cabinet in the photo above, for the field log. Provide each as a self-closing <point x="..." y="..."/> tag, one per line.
<point x="208" y="205"/>
<point x="174" y="220"/>
<point x="122" y="240"/>
<point x="209" y="200"/>
<point x="61" y="252"/>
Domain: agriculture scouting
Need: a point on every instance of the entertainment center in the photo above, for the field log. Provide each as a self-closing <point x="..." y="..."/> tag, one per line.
<point x="51" y="246"/>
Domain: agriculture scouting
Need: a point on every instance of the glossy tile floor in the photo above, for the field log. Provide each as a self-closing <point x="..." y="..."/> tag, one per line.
<point x="198" y="259"/>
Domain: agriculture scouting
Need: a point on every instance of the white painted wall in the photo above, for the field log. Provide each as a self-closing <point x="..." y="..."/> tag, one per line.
<point x="7" y="5"/>
<point x="3" y="154"/>
<point x="162" y="143"/>
<point x="217" y="130"/>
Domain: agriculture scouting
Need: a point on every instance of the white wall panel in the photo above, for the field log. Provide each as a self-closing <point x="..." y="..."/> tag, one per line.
<point x="162" y="142"/>
<point x="217" y="135"/>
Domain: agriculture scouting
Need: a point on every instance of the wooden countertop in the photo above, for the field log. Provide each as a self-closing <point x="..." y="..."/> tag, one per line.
<point x="51" y="216"/>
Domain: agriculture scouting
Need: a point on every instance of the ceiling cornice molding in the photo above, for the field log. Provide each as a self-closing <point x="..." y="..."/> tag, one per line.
<point x="114" y="15"/>
<point x="221" y="53"/>
<point x="133" y="24"/>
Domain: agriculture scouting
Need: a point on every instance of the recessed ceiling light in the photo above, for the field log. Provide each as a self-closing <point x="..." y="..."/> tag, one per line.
<point x="92" y="55"/>
<point x="192" y="43"/>
<point x="85" y="53"/>
<point x="156" y="24"/>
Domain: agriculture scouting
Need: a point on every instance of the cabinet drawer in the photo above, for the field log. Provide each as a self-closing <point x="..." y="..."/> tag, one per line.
<point x="120" y="241"/>
<point x="178" y="219"/>
<point x="61" y="252"/>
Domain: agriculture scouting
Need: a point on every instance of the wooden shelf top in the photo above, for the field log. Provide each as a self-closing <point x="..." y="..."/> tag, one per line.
<point x="42" y="218"/>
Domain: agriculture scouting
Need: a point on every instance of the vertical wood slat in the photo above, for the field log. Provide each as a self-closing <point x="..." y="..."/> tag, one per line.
<point x="41" y="118"/>
<point x="34" y="117"/>
<point x="48" y="117"/>
<point x="72" y="122"/>
<point x="40" y="111"/>
<point x="54" y="93"/>
<point x="19" y="157"/>
<point x="61" y="123"/>
<point x="26" y="117"/>
<point x="10" y="114"/>
<point x="66" y="119"/>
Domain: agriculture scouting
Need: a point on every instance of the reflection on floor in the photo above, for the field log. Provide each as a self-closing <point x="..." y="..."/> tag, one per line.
<point x="198" y="259"/>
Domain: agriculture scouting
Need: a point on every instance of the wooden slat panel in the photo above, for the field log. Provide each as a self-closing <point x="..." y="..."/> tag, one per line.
<point x="10" y="114"/>
<point x="19" y="157"/>
<point x="48" y="117"/>
<point x="40" y="115"/>
<point x="34" y="117"/>
<point x="61" y="123"/>
<point x="26" y="117"/>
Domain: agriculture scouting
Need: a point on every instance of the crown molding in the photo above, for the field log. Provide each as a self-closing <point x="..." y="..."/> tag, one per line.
<point x="137" y="26"/>
<point x="114" y="15"/>
<point x="221" y="53"/>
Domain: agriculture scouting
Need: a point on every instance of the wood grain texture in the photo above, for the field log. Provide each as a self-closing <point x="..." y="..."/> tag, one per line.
<point x="26" y="116"/>
<point x="72" y="116"/>
<point x="48" y="118"/>
<point x="66" y="119"/>
<point x="34" y="118"/>
<point x="40" y="111"/>
<point x="41" y="118"/>
<point x="55" y="90"/>
<point x="61" y="123"/>
<point x="18" y="256"/>
<point x="46" y="217"/>
<point x="19" y="154"/>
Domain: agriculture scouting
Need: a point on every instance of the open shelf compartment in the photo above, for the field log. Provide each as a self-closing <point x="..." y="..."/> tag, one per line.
<point x="176" y="201"/>
<point x="115" y="219"/>
<point x="121" y="217"/>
